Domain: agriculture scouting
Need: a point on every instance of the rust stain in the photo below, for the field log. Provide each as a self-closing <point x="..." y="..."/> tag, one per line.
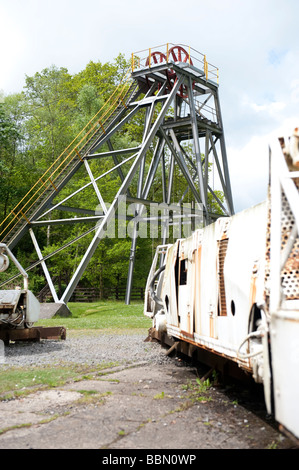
<point x="198" y="290"/>
<point x="252" y="294"/>
<point x="187" y="334"/>
<point x="212" y="332"/>
<point x="222" y="249"/>
<point x="183" y="335"/>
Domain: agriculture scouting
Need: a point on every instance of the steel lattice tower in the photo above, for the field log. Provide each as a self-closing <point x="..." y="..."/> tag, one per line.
<point x="175" y="91"/>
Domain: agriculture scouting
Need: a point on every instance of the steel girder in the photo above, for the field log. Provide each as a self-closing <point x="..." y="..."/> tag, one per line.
<point x="169" y="121"/>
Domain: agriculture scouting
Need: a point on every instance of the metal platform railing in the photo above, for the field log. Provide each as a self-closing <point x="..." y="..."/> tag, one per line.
<point x="169" y="52"/>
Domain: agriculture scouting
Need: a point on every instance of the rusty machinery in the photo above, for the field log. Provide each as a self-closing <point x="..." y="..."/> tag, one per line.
<point x="229" y="293"/>
<point x="20" y="309"/>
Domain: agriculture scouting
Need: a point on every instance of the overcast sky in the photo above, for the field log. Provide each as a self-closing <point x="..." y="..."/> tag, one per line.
<point x="255" y="44"/>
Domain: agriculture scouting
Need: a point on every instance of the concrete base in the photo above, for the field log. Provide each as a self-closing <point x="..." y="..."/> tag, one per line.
<point x="49" y="310"/>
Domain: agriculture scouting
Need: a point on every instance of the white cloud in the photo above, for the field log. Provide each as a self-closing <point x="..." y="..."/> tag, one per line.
<point x="271" y="108"/>
<point x="295" y="91"/>
<point x="255" y="45"/>
<point x="249" y="165"/>
<point x="13" y="44"/>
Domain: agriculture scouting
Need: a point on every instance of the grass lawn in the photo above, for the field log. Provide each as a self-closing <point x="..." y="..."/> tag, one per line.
<point x="103" y="315"/>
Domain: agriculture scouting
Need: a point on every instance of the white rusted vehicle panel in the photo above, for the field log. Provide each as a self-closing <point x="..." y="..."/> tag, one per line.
<point x="220" y="275"/>
<point x="232" y="288"/>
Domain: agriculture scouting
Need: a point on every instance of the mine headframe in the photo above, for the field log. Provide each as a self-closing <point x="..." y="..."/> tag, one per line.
<point x="173" y="91"/>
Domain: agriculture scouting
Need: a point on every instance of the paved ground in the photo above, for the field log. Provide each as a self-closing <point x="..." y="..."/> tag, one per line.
<point x="138" y="407"/>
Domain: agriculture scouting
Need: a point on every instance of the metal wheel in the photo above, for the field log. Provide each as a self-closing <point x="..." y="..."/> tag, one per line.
<point x="157" y="57"/>
<point x="179" y="54"/>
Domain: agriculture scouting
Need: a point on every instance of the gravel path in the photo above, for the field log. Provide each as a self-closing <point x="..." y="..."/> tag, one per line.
<point x="92" y="347"/>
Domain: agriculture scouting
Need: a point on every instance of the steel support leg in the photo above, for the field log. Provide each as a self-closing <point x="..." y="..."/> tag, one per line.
<point x="202" y="191"/>
<point x="112" y="210"/>
<point x="44" y="266"/>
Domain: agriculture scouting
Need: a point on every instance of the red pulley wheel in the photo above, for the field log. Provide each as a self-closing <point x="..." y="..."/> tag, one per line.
<point x="177" y="54"/>
<point x="157" y="57"/>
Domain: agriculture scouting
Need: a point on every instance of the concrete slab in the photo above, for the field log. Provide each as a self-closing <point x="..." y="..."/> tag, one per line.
<point x="49" y="310"/>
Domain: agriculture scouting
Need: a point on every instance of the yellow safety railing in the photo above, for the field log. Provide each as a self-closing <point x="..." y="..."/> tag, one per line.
<point x="169" y="52"/>
<point x="72" y="151"/>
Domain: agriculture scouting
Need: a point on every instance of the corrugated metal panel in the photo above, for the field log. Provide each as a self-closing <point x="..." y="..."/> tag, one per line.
<point x="222" y="249"/>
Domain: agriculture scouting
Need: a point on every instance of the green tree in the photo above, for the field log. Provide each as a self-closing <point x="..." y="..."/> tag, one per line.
<point x="51" y="105"/>
<point x="10" y="166"/>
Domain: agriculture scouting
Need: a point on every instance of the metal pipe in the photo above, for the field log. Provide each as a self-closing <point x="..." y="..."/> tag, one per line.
<point x="16" y="263"/>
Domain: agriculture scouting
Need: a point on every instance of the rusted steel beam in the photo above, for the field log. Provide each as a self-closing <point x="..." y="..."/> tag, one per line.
<point x="226" y="366"/>
<point x="33" y="334"/>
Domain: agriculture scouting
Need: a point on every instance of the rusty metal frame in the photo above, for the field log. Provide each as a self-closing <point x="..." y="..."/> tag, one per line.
<point x="33" y="334"/>
<point x="282" y="186"/>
